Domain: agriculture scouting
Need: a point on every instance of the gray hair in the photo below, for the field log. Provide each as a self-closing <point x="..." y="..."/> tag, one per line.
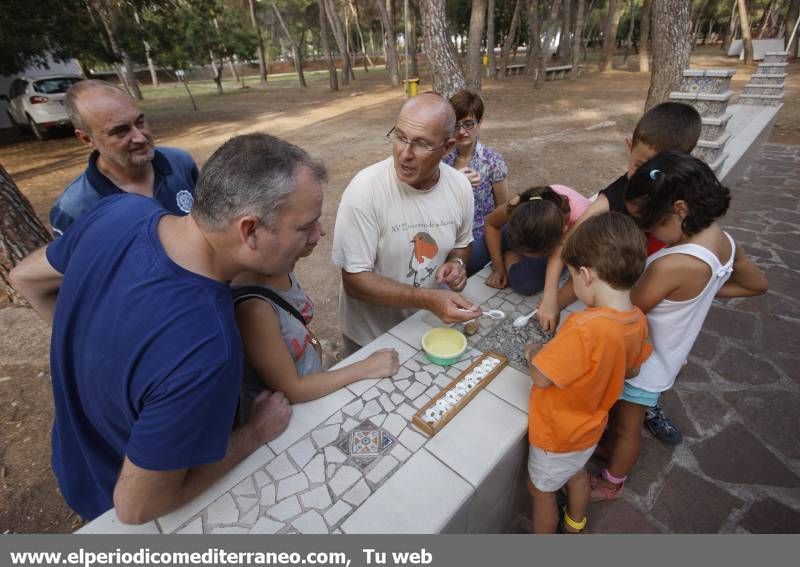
<point x="76" y="91"/>
<point x="252" y="174"/>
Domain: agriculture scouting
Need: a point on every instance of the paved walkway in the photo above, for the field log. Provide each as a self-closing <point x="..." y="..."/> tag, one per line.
<point x="738" y="400"/>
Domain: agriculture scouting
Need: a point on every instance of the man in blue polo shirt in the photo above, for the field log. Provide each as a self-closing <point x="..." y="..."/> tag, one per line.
<point x="146" y="358"/>
<point x="123" y="158"/>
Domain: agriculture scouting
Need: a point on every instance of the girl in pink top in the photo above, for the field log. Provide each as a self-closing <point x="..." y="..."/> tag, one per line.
<point x="521" y="235"/>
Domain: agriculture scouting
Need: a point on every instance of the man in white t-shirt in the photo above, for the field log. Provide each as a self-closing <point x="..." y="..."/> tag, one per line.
<point x="404" y="229"/>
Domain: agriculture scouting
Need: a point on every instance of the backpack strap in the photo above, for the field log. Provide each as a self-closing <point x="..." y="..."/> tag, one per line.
<point x="244" y="293"/>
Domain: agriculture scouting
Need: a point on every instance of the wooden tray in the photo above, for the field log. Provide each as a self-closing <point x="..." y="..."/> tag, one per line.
<point x="431" y="430"/>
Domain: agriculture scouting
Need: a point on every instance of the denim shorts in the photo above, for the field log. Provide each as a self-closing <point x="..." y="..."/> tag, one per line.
<point x="638" y="396"/>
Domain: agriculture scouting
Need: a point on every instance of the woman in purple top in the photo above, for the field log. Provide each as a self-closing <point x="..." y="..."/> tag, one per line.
<point x="485" y="168"/>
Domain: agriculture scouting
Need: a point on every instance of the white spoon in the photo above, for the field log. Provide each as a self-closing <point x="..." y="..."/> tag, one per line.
<point x="522" y="320"/>
<point x="491" y="313"/>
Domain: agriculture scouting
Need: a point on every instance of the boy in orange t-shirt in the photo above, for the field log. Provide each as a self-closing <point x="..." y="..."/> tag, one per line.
<point x="578" y="376"/>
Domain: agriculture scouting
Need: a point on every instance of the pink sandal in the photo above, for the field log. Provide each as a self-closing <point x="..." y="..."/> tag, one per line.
<point x="602" y="493"/>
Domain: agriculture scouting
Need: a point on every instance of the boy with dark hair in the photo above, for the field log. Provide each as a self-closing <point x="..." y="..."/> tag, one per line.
<point x="579" y="375"/>
<point x="672" y="126"/>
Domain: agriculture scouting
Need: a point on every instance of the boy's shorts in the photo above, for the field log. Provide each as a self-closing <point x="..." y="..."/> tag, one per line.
<point x="638" y="396"/>
<point x="550" y="471"/>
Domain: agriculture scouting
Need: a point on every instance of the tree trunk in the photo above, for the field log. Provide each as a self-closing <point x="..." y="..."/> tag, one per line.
<point x="447" y="76"/>
<point x="535" y="43"/>
<point x="563" y="41"/>
<point x="216" y="69"/>
<point x="338" y="33"/>
<point x="792" y="13"/>
<point x="671" y="49"/>
<point x="610" y="34"/>
<point x="354" y="8"/>
<point x="544" y="53"/>
<point x="490" y="38"/>
<point x="296" y="55"/>
<point x="509" y="39"/>
<point x="744" y="22"/>
<point x="21" y="232"/>
<point x="734" y="23"/>
<point x="326" y="46"/>
<point x="644" y="38"/>
<point x="262" y="60"/>
<point x="390" y="43"/>
<point x="477" y="21"/>
<point x="629" y="39"/>
<point x="576" y="39"/>
<point x="412" y="39"/>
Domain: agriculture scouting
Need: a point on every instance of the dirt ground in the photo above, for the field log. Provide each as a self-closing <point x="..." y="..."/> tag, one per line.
<point x="566" y="132"/>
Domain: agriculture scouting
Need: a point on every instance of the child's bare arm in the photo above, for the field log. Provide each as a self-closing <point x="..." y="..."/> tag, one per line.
<point x="746" y="280"/>
<point x="493" y="224"/>
<point x="661" y="279"/>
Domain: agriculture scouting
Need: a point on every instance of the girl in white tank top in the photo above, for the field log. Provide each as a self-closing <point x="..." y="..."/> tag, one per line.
<point x="678" y="199"/>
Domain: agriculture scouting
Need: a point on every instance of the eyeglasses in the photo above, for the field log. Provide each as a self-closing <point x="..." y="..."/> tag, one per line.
<point x="417" y="146"/>
<point x="467" y="125"/>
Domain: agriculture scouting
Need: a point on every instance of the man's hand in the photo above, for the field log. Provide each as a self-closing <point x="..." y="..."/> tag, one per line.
<point x="497" y="279"/>
<point x="451" y="307"/>
<point x="269" y="416"/>
<point x="473" y="176"/>
<point x="453" y="274"/>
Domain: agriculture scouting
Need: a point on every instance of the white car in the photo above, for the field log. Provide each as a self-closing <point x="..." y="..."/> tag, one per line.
<point x="37" y="103"/>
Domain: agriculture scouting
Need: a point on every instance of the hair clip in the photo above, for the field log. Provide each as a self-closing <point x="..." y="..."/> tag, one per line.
<point x="654" y="173"/>
<point x="535" y="198"/>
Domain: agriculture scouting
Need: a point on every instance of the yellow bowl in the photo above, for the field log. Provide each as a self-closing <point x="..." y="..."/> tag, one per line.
<point x="443" y="345"/>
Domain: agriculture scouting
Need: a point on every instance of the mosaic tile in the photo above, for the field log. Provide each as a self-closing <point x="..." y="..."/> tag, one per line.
<point x="310" y="523"/>
<point x="406" y="411"/>
<point x="193" y="527"/>
<point x="245" y="488"/>
<point x="401" y="453"/>
<point x="334" y="455"/>
<point x="318" y="498"/>
<point x="370" y="394"/>
<point x="292" y="485"/>
<point x="267" y="495"/>
<point x="335" y="418"/>
<point x="261" y="479"/>
<point x="372" y="408"/>
<point x="424" y="378"/>
<point x="421" y="401"/>
<point x="337" y="512"/>
<point x="349" y="424"/>
<point x="223" y="511"/>
<point x="411" y="439"/>
<point x="246" y="503"/>
<point x="353" y="408"/>
<point x="266" y="526"/>
<point x="230" y="530"/>
<point x="358" y="493"/>
<point x="249" y="518"/>
<point x="385" y="402"/>
<point x="344" y="478"/>
<point x="285" y="509"/>
<point x="394" y="424"/>
<point x="386" y="465"/>
<point x="302" y="451"/>
<point x="315" y="470"/>
<point x="325" y="435"/>
<point x="280" y="467"/>
<point x="415" y="390"/>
